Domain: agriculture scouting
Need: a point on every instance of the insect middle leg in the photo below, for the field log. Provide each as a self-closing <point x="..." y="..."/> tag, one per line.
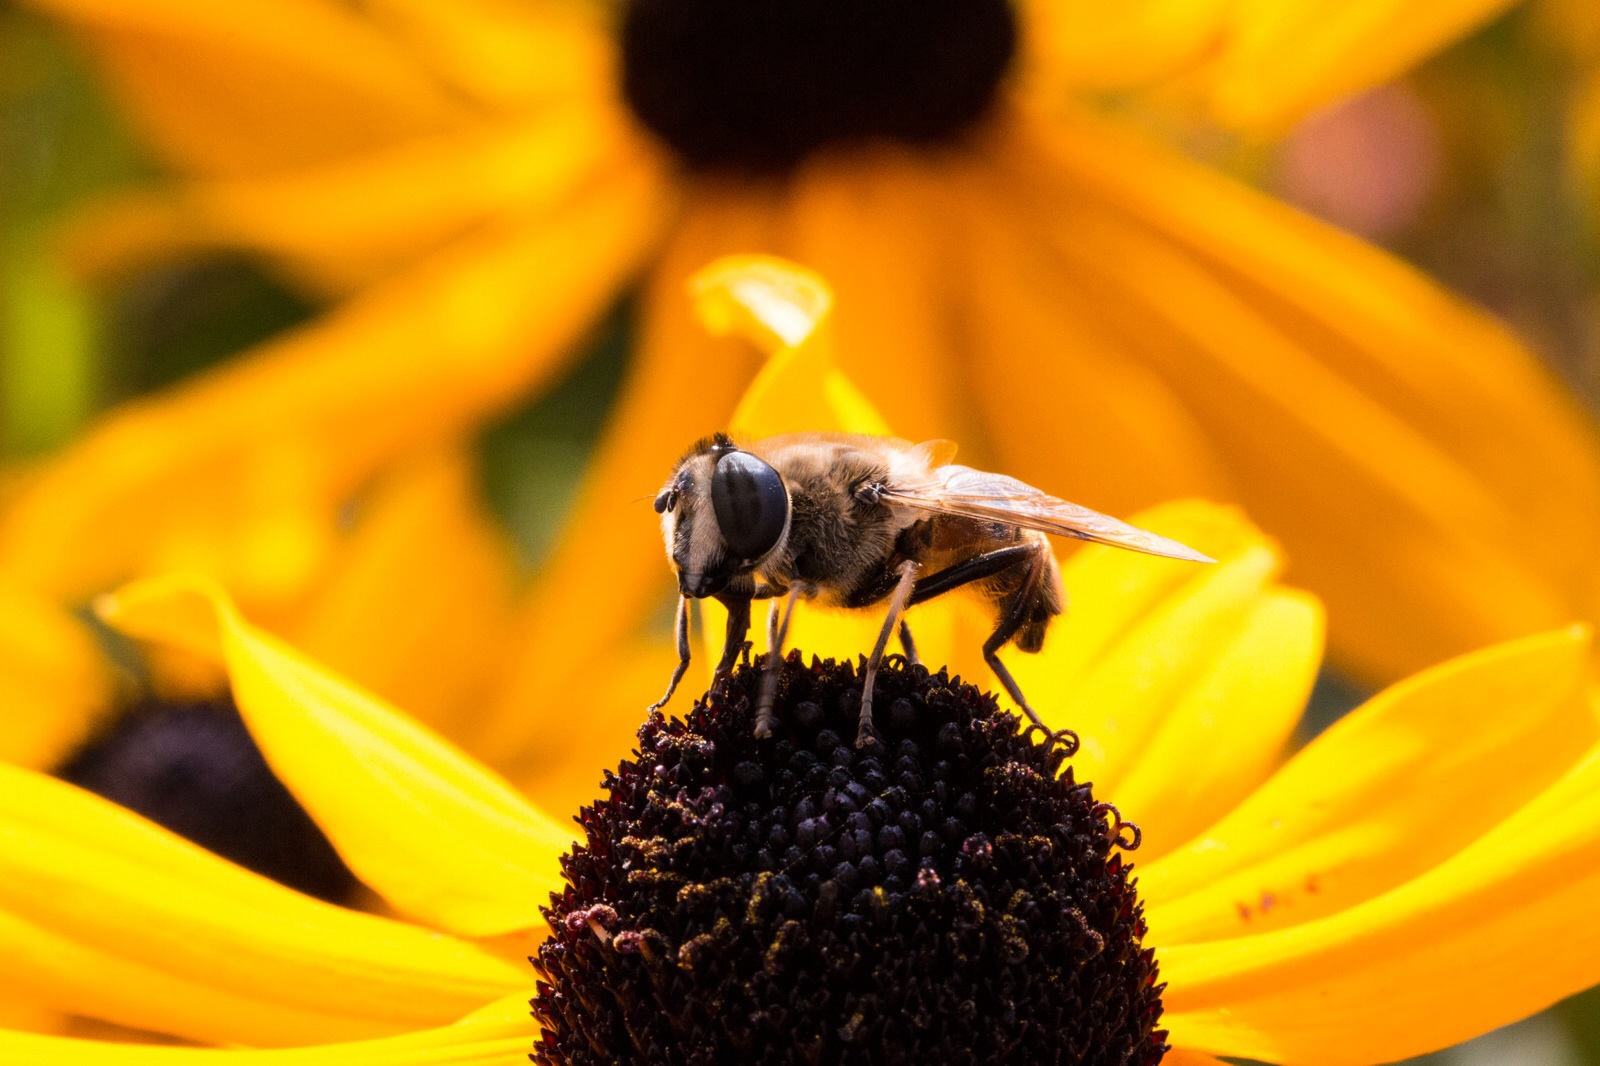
<point x="733" y="641"/>
<point x="897" y="603"/>
<point x="777" y="633"/>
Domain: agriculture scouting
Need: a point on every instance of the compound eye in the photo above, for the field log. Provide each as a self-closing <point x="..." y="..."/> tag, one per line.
<point x="750" y="502"/>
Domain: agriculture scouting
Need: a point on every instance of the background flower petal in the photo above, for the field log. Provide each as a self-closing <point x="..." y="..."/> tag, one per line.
<point x="434" y="833"/>
<point x="1429" y="480"/>
<point x="255" y="85"/>
<point x="1256" y="65"/>
<point x="1063" y="406"/>
<point x="107" y="915"/>
<point x="418" y="603"/>
<point x="288" y="432"/>
<point x="345" y="224"/>
<point x="1279" y="60"/>
<point x="1388" y="792"/>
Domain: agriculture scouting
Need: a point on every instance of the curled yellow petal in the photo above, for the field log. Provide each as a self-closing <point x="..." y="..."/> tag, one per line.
<point x="1387" y="792"/>
<point x="438" y="836"/>
<point x="107" y="915"/>
<point x="772" y="303"/>
<point x="493" y="1036"/>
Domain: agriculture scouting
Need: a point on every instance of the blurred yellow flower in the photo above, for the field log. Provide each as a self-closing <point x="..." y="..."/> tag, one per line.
<point x="1078" y="306"/>
<point x="422" y="524"/>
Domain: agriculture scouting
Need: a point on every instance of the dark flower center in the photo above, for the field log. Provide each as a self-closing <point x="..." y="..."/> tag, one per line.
<point x="756" y="85"/>
<point x="193" y="768"/>
<point x="947" y="894"/>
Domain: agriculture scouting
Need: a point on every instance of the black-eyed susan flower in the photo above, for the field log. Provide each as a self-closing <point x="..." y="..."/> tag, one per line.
<point x="1375" y="897"/>
<point x="473" y="181"/>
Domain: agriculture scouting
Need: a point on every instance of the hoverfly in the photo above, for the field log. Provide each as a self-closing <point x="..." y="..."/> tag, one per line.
<point x="849" y="520"/>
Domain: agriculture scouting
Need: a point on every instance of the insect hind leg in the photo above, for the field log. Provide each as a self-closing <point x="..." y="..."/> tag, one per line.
<point x="1019" y="614"/>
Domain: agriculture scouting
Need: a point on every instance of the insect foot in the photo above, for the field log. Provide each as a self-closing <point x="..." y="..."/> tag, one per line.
<point x="947" y="892"/>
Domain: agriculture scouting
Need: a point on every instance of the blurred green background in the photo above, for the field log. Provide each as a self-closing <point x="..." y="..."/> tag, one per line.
<point x="1468" y="168"/>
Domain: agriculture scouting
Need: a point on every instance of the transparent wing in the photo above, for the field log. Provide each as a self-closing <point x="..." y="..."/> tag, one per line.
<point x="978" y="494"/>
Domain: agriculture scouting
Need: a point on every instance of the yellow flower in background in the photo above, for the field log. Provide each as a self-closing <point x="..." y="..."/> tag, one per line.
<point x="1077" y="306"/>
<point x="423" y="522"/>
<point x="1374" y="898"/>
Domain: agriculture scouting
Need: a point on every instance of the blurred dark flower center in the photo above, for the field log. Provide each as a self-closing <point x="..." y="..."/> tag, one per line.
<point x="756" y="85"/>
<point x="946" y="894"/>
<point x="193" y="768"/>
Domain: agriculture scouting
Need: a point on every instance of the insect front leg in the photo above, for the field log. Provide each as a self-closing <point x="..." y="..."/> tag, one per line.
<point x="682" y="628"/>
<point x="733" y="641"/>
<point x="897" y="603"/>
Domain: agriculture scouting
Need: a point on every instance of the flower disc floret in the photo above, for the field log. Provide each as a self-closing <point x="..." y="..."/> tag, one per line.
<point x="948" y="893"/>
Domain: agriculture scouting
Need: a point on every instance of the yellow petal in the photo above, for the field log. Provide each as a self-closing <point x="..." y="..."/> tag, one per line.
<point x="1226" y="731"/>
<point x="1429" y="481"/>
<point x="255" y="85"/>
<point x="105" y="914"/>
<point x="507" y="54"/>
<point x="54" y="681"/>
<point x="1491" y="935"/>
<point x="1279" y="60"/>
<point x="498" y="1034"/>
<point x="1081" y="43"/>
<point x="359" y="219"/>
<point x="1063" y="406"/>
<point x="1141" y="633"/>
<point x="1256" y="65"/>
<point x="418" y="603"/>
<point x="681" y="385"/>
<point x="860" y="220"/>
<point x="605" y="730"/>
<point x="1384" y="794"/>
<point x="225" y="472"/>
<point x="434" y="833"/>
<point x="1179" y="1056"/>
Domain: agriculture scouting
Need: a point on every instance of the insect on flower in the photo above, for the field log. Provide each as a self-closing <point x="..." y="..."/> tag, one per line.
<point x="850" y="520"/>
